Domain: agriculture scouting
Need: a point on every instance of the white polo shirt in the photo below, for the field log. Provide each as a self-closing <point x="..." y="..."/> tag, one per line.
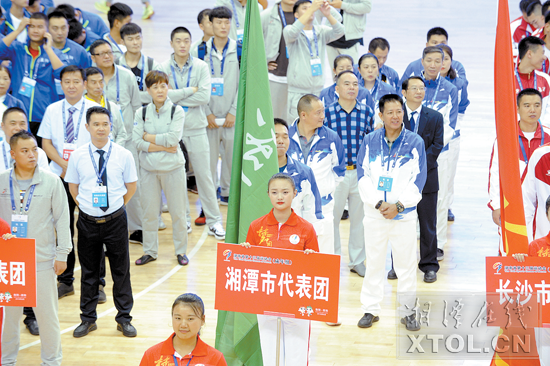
<point x="52" y="126"/>
<point x="6" y="162"/>
<point x="120" y="169"/>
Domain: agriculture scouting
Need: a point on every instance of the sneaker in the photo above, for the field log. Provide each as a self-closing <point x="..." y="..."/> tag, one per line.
<point x="102" y="297"/>
<point x="165" y="208"/>
<point x="102" y="6"/>
<point x="217" y="231"/>
<point x="189" y="228"/>
<point x="148" y="12"/>
<point x="136" y="237"/>
<point x="201" y="220"/>
<point x="440" y="254"/>
<point x="224" y="200"/>
<point x="450" y="216"/>
<point x="162" y="225"/>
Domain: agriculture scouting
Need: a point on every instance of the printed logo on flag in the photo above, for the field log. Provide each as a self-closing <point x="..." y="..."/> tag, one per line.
<point x="498" y="267"/>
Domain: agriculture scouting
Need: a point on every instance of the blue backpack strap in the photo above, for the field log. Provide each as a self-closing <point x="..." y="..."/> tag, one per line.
<point x="202" y="50"/>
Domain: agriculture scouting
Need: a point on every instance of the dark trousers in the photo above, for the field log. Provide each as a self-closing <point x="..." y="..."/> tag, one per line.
<point x="91" y="238"/>
<point x="427" y="217"/>
<point x="34" y="127"/>
<point x="67" y="276"/>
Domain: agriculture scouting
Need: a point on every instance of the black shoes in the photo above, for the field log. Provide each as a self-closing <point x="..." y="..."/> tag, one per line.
<point x="144" y="259"/>
<point x="127" y="329"/>
<point x="367" y="320"/>
<point x="102" y="297"/>
<point x="32" y="326"/>
<point x="440" y="254"/>
<point x="64" y="290"/>
<point x="136" y="237"/>
<point x="410" y="322"/>
<point x="83" y="329"/>
<point x="392" y="275"/>
<point x="345" y="215"/>
<point x="183" y="260"/>
<point x="430" y="277"/>
<point x="450" y="216"/>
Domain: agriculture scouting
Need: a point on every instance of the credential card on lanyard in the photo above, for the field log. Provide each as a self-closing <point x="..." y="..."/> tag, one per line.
<point x="67" y="150"/>
<point x="240" y="35"/>
<point x="19" y="225"/>
<point x="27" y="86"/>
<point x="99" y="196"/>
<point x="316" y="68"/>
<point x="384" y="183"/>
<point x="217" y="87"/>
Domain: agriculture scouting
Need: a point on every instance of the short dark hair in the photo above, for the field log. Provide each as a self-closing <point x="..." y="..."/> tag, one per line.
<point x="73" y="68"/>
<point x="437" y="31"/>
<point x="31" y="2"/>
<point x="343" y="73"/>
<point x="342" y="57"/>
<point x="365" y="56"/>
<point x="545" y="7"/>
<point x="297" y="5"/>
<point x="179" y="30"/>
<point x="389" y="98"/>
<point x="98" y="43"/>
<point x="39" y="15"/>
<point x="97" y="110"/>
<point x="529" y="44"/>
<point x="378" y="42"/>
<point x="155" y="76"/>
<point x="432" y="49"/>
<point x="118" y="11"/>
<point x="528" y="91"/>
<point x="57" y="14"/>
<point x="11" y="110"/>
<point x="221" y="12"/>
<point x="21" y="135"/>
<point x="405" y="85"/>
<point x="4" y="68"/>
<point x="282" y="176"/>
<point x="129" y="30"/>
<point x="75" y="29"/>
<point x="280" y="121"/>
<point x="305" y="102"/>
<point x="93" y="71"/>
<point x="547" y="16"/>
<point x="66" y="9"/>
<point x="534" y="7"/>
<point x="203" y="13"/>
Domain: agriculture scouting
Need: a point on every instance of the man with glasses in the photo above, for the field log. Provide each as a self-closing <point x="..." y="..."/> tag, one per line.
<point x="121" y="88"/>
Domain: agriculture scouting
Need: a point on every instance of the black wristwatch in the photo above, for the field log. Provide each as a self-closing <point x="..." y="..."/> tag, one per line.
<point x="400" y="207"/>
<point x="378" y="204"/>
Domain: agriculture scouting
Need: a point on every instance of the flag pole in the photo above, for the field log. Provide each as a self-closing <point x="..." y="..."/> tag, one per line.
<point x="278" y="357"/>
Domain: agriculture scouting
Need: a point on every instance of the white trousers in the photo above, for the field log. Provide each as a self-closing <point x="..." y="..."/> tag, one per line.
<point x="46" y="317"/>
<point x="279" y="99"/>
<point x="333" y="52"/>
<point x="443" y="197"/>
<point x="173" y="185"/>
<point x="402" y="237"/>
<point x="454" y="152"/>
<point x="348" y="189"/>
<point x="133" y="208"/>
<point x="326" y="237"/>
<point x="294" y="340"/>
<point x="221" y="143"/>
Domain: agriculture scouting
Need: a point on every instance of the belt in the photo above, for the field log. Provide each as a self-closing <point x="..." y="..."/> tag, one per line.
<point x="102" y="219"/>
<point x="351" y="167"/>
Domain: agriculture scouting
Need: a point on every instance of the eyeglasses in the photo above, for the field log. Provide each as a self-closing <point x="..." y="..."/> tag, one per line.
<point x="103" y="54"/>
<point x="415" y="88"/>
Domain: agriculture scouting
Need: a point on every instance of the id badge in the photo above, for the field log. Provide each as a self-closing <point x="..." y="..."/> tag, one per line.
<point x="316" y="68"/>
<point x="217" y="87"/>
<point x="27" y="87"/>
<point x="58" y="88"/>
<point x="19" y="225"/>
<point x="67" y="150"/>
<point x="99" y="196"/>
<point x="240" y="35"/>
<point x="385" y="183"/>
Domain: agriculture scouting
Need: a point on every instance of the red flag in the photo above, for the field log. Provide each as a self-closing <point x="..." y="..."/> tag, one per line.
<point x="514" y="231"/>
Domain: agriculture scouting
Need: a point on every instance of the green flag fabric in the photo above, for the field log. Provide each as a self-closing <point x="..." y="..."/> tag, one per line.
<point x="254" y="162"/>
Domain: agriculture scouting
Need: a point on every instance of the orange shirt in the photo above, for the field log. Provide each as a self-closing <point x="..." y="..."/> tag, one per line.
<point x="540" y="247"/>
<point x="296" y="233"/>
<point x="162" y="354"/>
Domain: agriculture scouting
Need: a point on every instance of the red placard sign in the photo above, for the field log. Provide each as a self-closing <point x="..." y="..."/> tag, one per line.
<point x="522" y="288"/>
<point x="18" y="272"/>
<point x="278" y="282"/>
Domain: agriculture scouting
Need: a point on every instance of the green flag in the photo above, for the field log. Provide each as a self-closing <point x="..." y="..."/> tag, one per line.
<point x="254" y="162"/>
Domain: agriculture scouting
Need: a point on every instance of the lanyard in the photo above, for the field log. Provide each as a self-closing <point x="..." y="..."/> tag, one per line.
<point x="432" y="103"/>
<point x="519" y="80"/>
<point x="235" y="14"/>
<point x="416" y="123"/>
<point x="77" y="129"/>
<point x="117" y="87"/>
<point x="282" y="14"/>
<point x="97" y="172"/>
<point x="309" y="44"/>
<point x="142" y="69"/>
<point x="188" y="75"/>
<point x="116" y="44"/>
<point x="5" y="157"/>
<point x="223" y="57"/>
<point x="404" y="131"/>
<point x="32" y="63"/>
<point x="523" y="147"/>
<point x="29" y="198"/>
<point x="377" y="88"/>
<point x="176" y="360"/>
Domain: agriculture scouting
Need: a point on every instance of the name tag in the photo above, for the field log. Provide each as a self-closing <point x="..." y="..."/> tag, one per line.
<point x="27" y="87"/>
<point x="99" y="196"/>
<point x="58" y="88"/>
<point x="217" y="87"/>
<point x="19" y="225"/>
<point x="67" y="150"/>
<point x="316" y="68"/>
<point x="385" y="183"/>
<point x="240" y="35"/>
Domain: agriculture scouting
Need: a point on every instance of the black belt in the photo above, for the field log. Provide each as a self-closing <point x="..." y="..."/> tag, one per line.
<point x="102" y="219"/>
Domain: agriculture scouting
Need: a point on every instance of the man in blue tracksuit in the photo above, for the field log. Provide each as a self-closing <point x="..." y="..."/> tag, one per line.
<point x="322" y="150"/>
<point x="78" y="34"/>
<point x="15" y="12"/>
<point x="90" y="22"/>
<point x="380" y="47"/>
<point x="35" y="66"/>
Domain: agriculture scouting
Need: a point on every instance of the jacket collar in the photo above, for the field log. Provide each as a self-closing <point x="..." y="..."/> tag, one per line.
<point x="292" y="220"/>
